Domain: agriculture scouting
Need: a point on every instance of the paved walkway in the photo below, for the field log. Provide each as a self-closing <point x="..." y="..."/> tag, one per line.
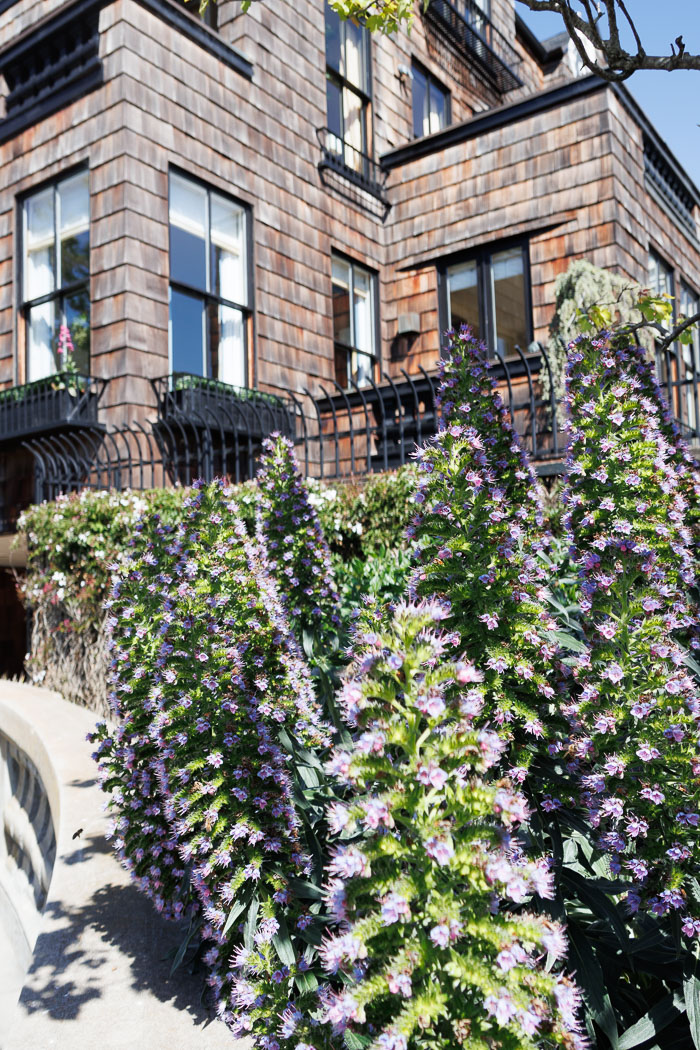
<point x="99" y="978"/>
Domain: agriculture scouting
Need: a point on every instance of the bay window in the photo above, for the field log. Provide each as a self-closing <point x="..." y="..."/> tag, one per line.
<point x="55" y="278"/>
<point x="490" y="292"/>
<point x="209" y="299"/>
<point x="347" y="89"/>
<point x="354" y="322"/>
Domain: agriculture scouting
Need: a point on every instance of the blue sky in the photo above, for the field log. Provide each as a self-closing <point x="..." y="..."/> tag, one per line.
<point x="670" y="100"/>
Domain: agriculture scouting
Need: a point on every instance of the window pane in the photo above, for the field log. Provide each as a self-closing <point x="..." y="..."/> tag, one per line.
<point x="77" y="317"/>
<point x="40" y="247"/>
<point x="354" y="125"/>
<point x="420" y="100"/>
<point x="188" y="223"/>
<point x="227" y="341"/>
<point x="508" y="290"/>
<point x="660" y="276"/>
<point x="438" y="108"/>
<point x="342" y="325"/>
<point x="41" y="342"/>
<point x="333" y="38"/>
<point x="73" y="224"/>
<point x="187" y="333"/>
<point x="334" y="114"/>
<point x="228" y="250"/>
<point x="361" y="367"/>
<point x="463" y="297"/>
<point x="355" y="65"/>
<point x="364" y="322"/>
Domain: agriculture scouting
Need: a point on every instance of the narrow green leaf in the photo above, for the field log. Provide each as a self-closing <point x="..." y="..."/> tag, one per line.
<point x="691" y="991"/>
<point x="601" y="906"/>
<point x="567" y="641"/>
<point x="591" y="982"/>
<point x="251" y="924"/>
<point x="659" y="1017"/>
<point x="282" y="943"/>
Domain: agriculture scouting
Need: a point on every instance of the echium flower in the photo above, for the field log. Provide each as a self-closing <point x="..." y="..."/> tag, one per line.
<point x="635" y="708"/>
<point x="289" y="530"/>
<point x="426" y="857"/>
<point x="141" y="833"/>
<point x="233" y="704"/>
<point x="477" y="529"/>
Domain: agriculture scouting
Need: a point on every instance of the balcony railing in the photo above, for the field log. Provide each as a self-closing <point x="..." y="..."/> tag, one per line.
<point x="58" y="402"/>
<point x="467" y="27"/>
<point x="358" y="168"/>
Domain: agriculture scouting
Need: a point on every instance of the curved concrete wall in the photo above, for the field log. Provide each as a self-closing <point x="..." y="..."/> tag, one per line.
<point x="98" y="976"/>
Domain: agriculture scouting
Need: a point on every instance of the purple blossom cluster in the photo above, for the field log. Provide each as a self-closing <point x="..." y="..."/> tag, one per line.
<point x="478" y="529"/>
<point x="426" y="853"/>
<point x="223" y="703"/>
<point x="289" y="530"/>
<point x="635" y="709"/>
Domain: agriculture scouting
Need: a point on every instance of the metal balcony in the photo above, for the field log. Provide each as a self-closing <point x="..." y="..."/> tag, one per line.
<point x="466" y="26"/>
<point x="353" y="165"/>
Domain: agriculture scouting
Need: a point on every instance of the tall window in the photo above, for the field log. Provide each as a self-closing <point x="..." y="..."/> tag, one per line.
<point x="208" y="283"/>
<point x="354" y="322"/>
<point x="347" y="88"/>
<point x="431" y="103"/>
<point x="660" y="275"/>
<point x="56" y="270"/>
<point x="490" y="292"/>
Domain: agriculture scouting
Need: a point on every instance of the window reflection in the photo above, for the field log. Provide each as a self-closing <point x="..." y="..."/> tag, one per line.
<point x="354" y="322"/>
<point x="489" y="293"/>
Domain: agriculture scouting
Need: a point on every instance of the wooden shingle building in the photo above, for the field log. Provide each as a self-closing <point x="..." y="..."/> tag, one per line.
<point x="216" y="227"/>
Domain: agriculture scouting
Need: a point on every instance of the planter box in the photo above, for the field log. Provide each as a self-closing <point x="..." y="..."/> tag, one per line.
<point x="222" y="408"/>
<point x="49" y="404"/>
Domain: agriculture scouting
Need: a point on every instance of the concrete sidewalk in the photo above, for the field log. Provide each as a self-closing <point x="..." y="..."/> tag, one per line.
<point x="99" y="977"/>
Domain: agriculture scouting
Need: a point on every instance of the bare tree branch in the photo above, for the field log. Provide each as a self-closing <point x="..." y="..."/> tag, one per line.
<point x="617" y="63"/>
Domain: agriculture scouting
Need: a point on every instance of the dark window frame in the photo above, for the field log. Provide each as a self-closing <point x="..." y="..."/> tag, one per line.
<point x="364" y="94"/>
<point x="431" y="81"/>
<point x="487" y="309"/>
<point x="61" y="292"/>
<point x="208" y="297"/>
<point x="342" y="348"/>
<point x="210" y="18"/>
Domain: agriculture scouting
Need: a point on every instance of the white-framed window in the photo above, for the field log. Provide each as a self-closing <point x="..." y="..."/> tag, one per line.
<point x="348" y="89"/>
<point x="354" y="322"/>
<point x="209" y="295"/>
<point x="56" y="277"/>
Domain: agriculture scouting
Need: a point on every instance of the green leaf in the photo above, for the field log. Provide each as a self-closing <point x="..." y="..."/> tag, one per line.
<point x="691" y="992"/>
<point x="654" y="1021"/>
<point x="592" y="983"/>
<point x="567" y="641"/>
<point x="601" y="906"/>
<point x="251" y="924"/>
<point x="282" y="943"/>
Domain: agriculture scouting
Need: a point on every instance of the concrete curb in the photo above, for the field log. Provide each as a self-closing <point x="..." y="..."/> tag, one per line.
<point x="99" y="976"/>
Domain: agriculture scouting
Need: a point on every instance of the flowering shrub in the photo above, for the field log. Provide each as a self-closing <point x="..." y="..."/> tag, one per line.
<point x="219" y="713"/>
<point x="477" y="531"/>
<point x="430" y="957"/>
<point x="288" y="529"/>
<point x="635" y="708"/>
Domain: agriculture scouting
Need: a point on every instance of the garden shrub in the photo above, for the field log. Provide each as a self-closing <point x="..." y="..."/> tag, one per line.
<point x="430" y="957"/>
<point x="478" y="532"/>
<point x="72" y="544"/>
<point x="635" y="710"/>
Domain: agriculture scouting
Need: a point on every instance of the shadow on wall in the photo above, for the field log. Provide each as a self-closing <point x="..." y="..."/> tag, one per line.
<point x="64" y="976"/>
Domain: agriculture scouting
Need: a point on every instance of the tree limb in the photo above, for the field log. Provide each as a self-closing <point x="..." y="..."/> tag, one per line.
<point x="618" y="63"/>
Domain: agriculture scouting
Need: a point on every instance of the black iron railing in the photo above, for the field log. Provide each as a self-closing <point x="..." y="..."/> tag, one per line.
<point x="62" y="400"/>
<point x="358" y="168"/>
<point x="377" y="426"/>
<point x="338" y="432"/>
<point x="467" y="27"/>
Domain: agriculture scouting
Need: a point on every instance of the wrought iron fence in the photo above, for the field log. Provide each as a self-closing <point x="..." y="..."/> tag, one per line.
<point x="357" y="167"/>
<point x="201" y="430"/>
<point x="464" y="23"/>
